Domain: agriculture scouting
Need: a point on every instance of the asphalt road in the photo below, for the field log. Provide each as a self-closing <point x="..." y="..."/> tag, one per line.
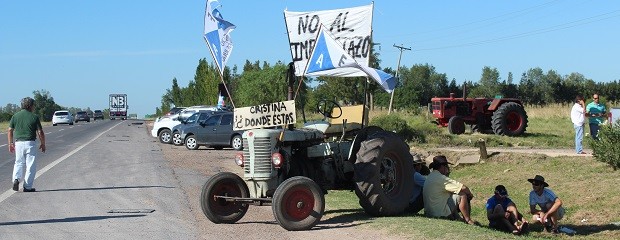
<point x="97" y="180"/>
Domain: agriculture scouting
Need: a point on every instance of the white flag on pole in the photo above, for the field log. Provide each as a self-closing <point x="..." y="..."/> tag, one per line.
<point x="217" y="34"/>
<point x="328" y="56"/>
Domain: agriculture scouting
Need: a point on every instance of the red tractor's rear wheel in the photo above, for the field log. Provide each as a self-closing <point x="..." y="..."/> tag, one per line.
<point x="510" y="119"/>
<point x="456" y="125"/>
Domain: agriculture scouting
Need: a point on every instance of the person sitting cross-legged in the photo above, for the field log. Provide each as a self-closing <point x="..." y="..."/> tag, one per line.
<point x="503" y="214"/>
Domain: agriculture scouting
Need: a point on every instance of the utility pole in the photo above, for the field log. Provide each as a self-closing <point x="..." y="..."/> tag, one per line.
<point x="401" y="48"/>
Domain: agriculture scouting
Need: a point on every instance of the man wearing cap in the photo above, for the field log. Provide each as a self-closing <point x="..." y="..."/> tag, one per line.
<point x="445" y="197"/>
<point x="551" y="209"/>
<point x="503" y="214"/>
<point x="416" y="203"/>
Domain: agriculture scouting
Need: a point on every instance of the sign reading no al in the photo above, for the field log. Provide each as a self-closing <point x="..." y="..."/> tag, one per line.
<point x="265" y="115"/>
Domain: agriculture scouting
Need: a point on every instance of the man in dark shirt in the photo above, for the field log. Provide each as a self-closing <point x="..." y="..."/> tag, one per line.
<point x="503" y="214"/>
<point x="23" y="130"/>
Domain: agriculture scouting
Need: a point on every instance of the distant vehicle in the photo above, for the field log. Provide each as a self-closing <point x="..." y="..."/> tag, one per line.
<point x="215" y="131"/>
<point x="118" y="106"/>
<point x="97" y="114"/>
<point x="82" y="116"/>
<point x="62" y="117"/>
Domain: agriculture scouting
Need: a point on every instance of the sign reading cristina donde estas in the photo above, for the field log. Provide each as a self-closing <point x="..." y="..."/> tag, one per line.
<point x="265" y="115"/>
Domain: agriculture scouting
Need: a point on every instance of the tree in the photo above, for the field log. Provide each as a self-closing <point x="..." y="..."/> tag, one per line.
<point x="489" y="84"/>
<point x="45" y="105"/>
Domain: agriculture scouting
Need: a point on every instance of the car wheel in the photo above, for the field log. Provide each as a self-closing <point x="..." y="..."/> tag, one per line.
<point x="176" y="139"/>
<point x="165" y="136"/>
<point x="191" y="143"/>
<point x="54" y="124"/>
<point x="71" y="123"/>
<point x="237" y="142"/>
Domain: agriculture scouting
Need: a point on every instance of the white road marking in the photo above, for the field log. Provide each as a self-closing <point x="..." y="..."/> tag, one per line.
<point x="10" y="192"/>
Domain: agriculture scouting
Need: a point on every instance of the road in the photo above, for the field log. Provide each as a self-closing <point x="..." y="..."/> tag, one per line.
<point x="112" y="180"/>
<point x="97" y="180"/>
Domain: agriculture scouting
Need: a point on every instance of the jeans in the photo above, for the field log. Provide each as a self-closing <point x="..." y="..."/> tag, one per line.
<point x="578" y="138"/>
<point x="594" y="127"/>
<point x="25" y="155"/>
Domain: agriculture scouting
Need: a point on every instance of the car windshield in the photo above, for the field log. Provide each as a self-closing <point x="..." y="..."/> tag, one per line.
<point x="81" y="113"/>
<point x="192" y="119"/>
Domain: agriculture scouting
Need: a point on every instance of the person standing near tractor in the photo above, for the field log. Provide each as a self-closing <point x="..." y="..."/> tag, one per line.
<point x="577" y="116"/>
<point x="596" y="115"/>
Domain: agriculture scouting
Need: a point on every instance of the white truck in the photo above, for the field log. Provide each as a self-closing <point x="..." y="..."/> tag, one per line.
<point x="118" y="106"/>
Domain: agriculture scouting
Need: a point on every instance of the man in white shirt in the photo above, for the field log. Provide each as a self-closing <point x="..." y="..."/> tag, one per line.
<point x="578" y="118"/>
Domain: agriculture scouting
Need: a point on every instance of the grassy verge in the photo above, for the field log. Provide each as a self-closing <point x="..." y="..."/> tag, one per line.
<point x="587" y="188"/>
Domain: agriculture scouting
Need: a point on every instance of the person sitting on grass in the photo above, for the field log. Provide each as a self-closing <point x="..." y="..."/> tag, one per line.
<point x="445" y="197"/>
<point x="416" y="203"/>
<point x="503" y="214"/>
<point x="551" y="210"/>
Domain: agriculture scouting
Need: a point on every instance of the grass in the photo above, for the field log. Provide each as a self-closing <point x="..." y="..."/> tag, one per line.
<point x="587" y="188"/>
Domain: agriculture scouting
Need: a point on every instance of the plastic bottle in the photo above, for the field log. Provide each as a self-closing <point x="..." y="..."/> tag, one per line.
<point x="567" y="230"/>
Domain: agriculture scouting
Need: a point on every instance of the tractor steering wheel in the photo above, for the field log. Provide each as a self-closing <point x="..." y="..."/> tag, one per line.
<point x="325" y="107"/>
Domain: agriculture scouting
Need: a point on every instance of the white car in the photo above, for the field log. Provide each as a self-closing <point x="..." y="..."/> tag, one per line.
<point x="62" y="117"/>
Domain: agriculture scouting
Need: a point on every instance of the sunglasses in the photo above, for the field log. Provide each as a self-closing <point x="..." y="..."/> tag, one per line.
<point x="595" y="98"/>
<point x="536" y="183"/>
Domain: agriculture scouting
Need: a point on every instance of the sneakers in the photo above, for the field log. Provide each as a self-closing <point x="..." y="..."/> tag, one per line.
<point x="16" y="185"/>
<point x="29" y="190"/>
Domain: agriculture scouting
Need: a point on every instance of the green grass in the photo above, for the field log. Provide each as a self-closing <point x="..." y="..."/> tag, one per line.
<point x="587" y="188"/>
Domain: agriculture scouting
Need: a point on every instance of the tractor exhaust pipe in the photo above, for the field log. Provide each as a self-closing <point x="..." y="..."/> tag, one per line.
<point x="464" y="91"/>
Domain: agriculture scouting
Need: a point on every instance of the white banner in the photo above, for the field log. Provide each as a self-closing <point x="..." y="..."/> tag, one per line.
<point x="350" y="26"/>
<point x="265" y="115"/>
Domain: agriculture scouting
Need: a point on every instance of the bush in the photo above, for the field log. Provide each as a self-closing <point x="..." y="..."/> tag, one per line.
<point x="397" y="124"/>
<point x="607" y="148"/>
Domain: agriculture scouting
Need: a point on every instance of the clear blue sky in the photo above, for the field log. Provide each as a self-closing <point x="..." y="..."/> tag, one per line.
<point x="81" y="51"/>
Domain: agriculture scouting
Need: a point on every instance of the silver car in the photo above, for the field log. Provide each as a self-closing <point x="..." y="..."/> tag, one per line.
<point x="62" y="117"/>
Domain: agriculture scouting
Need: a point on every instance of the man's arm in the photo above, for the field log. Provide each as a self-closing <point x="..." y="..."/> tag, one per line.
<point x="41" y="139"/>
<point x="465" y="191"/>
<point x="10" y="138"/>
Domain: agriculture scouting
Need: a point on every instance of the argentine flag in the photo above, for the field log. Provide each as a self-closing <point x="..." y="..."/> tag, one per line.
<point x="217" y="34"/>
<point x="329" y="55"/>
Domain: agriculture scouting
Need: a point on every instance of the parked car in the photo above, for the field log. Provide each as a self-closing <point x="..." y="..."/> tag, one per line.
<point x="82" y="116"/>
<point x="173" y="113"/>
<point x="191" y="121"/>
<point x="215" y="131"/>
<point x="62" y="117"/>
<point x="162" y="128"/>
<point x="97" y="114"/>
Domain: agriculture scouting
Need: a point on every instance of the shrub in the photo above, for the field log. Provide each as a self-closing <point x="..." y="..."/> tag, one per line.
<point x="607" y="148"/>
<point x="397" y="124"/>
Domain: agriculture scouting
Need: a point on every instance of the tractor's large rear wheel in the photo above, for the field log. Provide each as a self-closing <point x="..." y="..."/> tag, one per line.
<point x="217" y="209"/>
<point x="509" y="119"/>
<point x="298" y="204"/>
<point x="456" y="125"/>
<point x="383" y="172"/>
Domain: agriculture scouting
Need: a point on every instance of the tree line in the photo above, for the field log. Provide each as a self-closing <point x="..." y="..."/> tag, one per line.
<point x="44" y="107"/>
<point x="264" y="83"/>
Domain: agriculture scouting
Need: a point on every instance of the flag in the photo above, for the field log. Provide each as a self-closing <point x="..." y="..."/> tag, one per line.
<point x="328" y="55"/>
<point x="217" y="35"/>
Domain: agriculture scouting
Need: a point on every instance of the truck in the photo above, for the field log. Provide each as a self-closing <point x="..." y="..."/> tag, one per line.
<point x="118" y="106"/>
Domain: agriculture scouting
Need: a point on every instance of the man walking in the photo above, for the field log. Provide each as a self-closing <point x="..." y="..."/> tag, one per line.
<point x="22" y="133"/>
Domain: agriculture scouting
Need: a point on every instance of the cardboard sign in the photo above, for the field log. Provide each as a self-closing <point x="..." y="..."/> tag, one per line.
<point x="265" y="115"/>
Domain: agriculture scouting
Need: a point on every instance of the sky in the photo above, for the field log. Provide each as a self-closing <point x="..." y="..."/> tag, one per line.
<point x="82" y="51"/>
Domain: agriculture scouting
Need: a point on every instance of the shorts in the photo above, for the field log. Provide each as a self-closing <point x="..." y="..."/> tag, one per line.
<point x="560" y="212"/>
<point x="453" y="203"/>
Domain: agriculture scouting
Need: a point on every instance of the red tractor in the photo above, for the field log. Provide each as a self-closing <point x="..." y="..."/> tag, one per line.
<point x="505" y="116"/>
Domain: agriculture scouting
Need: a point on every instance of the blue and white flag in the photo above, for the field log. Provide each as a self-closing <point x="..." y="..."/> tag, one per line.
<point x="217" y="34"/>
<point x="328" y="55"/>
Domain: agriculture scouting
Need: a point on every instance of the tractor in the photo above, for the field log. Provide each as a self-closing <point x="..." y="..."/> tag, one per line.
<point x="292" y="168"/>
<point x="502" y="116"/>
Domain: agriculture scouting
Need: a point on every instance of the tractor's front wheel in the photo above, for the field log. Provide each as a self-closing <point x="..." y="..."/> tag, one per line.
<point x="298" y="204"/>
<point x="456" y="125"/>
<point x="383" y="172"/>
<point x="218" y="209"/>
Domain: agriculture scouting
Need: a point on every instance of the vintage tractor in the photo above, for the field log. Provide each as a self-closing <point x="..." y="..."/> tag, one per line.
<point x="292" y="169"/>
<point x="502" y="116"/>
